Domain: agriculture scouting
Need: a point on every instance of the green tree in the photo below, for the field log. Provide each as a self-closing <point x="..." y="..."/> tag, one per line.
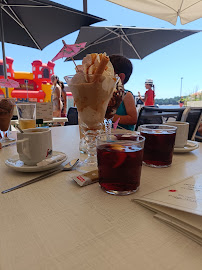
<point x="168" y="101"/>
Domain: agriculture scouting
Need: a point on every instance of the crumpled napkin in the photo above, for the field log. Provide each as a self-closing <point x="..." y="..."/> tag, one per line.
<point x="51" y="160"/>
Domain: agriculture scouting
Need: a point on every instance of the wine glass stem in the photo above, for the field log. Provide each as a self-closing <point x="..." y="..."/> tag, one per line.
<point x="91" y="145"/>
<point x="91" y="142"/>
<point x="4" y="137"/>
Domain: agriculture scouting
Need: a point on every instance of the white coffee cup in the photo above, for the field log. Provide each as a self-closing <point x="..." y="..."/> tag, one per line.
<point x="34" y="145"/>
<point x="181" y="134"/>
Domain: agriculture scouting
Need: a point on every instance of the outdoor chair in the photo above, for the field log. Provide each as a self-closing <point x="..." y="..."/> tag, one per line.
<point x="72" y="116"/>
<point x="198" y="138"/>
<point x="153" y="115"/>
<point x="194" y="119"/>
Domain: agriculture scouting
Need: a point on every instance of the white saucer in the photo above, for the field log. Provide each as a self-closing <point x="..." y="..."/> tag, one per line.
<point x="18" y="165"/>
<point x="190" y="146"/>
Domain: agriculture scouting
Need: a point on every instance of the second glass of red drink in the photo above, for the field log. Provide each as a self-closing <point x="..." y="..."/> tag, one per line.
<point x="120" y="162"/>
<point x="159" y="144"/>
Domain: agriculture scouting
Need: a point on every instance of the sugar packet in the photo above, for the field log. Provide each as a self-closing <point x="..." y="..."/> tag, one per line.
<point x="86" y="178"/>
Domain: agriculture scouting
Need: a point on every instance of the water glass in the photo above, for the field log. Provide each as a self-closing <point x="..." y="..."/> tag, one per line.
<point x="26" y="115"/>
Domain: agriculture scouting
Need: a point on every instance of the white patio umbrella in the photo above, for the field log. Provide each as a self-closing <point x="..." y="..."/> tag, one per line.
<point x="168" y="10"/>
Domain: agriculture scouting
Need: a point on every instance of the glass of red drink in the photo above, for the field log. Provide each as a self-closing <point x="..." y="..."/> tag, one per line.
<point x="159" y="144"/>
<point x="119" y="159"/>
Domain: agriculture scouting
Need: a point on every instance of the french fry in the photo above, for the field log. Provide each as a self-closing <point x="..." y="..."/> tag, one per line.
<point x="93" y="57"/>
<point x="100" y="69"/>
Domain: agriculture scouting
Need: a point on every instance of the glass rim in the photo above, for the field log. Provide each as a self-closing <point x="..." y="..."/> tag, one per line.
<point x="72" y="75"/>
<point x="26" y="103"/>
<point x="40" y="129"/>
<point x="99" y="138"/>
<point x="146" y="126"/>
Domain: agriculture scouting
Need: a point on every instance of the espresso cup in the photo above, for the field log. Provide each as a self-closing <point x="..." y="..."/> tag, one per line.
<point x="181" y="134"/>
<point x="34" y="145"/>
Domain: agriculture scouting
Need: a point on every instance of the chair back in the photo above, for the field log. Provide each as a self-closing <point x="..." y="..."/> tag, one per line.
<point x="185" y="113"/>
<point x="194" y="119"/>
<point x="72" y="116"/>
<point x="153" y="115"/>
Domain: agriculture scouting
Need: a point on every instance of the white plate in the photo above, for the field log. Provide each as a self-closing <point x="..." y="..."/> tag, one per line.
<point x="190" y="146"/>
<point x="16" y="164"/>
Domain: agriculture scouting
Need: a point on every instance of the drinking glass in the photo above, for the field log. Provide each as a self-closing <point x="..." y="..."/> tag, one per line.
<point x="6" y="113"/>
<point x="91" y="98"/>
<point x="159" y="144"/>
<point x="120" y="162"/>
<point x="26" y="115"/>
<point x="82" y="143"/>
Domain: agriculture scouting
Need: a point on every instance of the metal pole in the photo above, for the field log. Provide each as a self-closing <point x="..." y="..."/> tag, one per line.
<point x="26" y="82"/>
<point x="3" y="48"/>
<point x="85" y="6"/>
<point x="181" y="87"/>
<point x="121" y="42"/>
<point x="121" y="46"/>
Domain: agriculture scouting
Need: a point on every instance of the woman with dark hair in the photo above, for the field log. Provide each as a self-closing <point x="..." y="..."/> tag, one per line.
<point x="56" y="96"/>
<point x="126" y="113"/>
<point x="149" y="94"/>
<point x="64" y="100"/>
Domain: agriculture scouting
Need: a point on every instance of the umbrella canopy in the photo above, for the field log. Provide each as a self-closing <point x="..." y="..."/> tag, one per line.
<point x="69" y="50"/>
<point x="37" y="23"/>
<point x="9" y="83"/>
<point x="187" y="10"/>
<point x="131" y="42"/>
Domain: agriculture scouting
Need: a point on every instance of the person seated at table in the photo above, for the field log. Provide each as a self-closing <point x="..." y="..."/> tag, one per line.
<point x="149" y="94"/>
<point x="56" y="96"/>
<point x="127" y="110"/>
<point x="200" y="130"/>
<point x="64" y="100"/>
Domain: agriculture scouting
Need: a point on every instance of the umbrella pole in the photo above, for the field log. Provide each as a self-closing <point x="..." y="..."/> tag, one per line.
<point x="71" y="57"/>
<point x="121" y="46"/>
<point x="85" y="6"/>
<point x="3" y="49"/>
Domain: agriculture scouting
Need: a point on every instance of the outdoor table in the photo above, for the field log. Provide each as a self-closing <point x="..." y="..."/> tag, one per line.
<point x="56" y="224"/>
<point x="161" y="114"/>
<point x="53" y="120"/>
<point x="56" y="120"/>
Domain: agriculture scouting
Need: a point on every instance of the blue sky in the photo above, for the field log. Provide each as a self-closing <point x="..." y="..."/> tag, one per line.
<point x="165" y="67"/>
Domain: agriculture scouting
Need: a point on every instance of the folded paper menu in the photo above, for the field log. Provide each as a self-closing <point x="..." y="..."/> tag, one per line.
<point x="179" y="206"/>
<point x="189" y="231"/>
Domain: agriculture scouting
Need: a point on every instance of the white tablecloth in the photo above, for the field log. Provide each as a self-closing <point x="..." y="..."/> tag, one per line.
<point x="55" y="224"/>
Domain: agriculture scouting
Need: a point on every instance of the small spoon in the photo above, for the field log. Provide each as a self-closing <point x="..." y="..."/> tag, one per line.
<point x="63" y="167"/>
<point x="21" y="131"/>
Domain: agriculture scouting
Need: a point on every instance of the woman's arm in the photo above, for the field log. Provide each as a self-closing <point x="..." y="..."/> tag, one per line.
<point x="65" y="101"/>
<point x="145" y="97"/>
<point x="200" y="129"/>
<point x="131" y="117"/>
<point x="57" y="91"/>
